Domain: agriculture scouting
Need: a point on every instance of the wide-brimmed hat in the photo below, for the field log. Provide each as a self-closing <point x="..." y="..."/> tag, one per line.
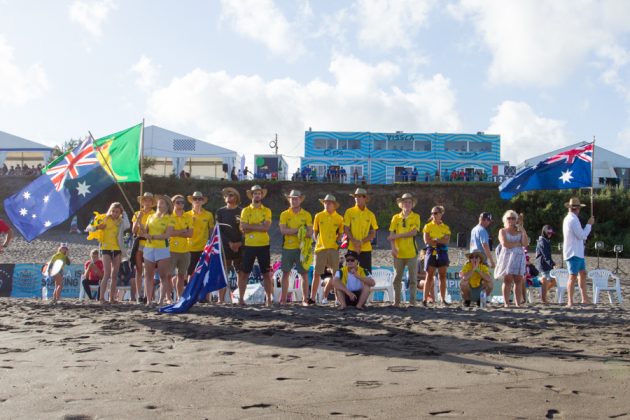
<point x="176" y="196"/>
<point x="168" y="202"/>
<point x="407" y="196"/>
<point x="478" y="253"/>
<point x="147" y="196"/>
<point x="574" y="202"/>
<point x="361" y="191"/>
<point x="250" y="192"/>
<point x="197" y="194"/>
<point x="229" y="190"/>
<point x="331" y="198"/>
<point x="295" y="193"/>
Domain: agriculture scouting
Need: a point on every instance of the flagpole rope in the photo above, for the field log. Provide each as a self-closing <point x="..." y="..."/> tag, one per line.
<point x="592" y="174"/>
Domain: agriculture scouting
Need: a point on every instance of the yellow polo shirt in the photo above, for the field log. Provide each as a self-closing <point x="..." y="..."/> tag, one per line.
<point x="180" y="243"/>
<point x="407" y="247"/>
<point x="110" y="235"/>
<point x="202" y="225"/>
<point x="254" y="216"/>
<point x="360" y="221"/>
<point x="328" y="227"/>
<point x="436" y="231"/>
<point x="157" y="226"/>
<point x="294" y="220"/>
<point x="475" y="278"/>
<point x="143" y="221"/>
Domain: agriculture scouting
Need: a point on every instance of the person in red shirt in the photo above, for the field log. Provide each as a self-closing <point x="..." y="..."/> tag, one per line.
<point x="93" y="273"/>
<point x="5" y="229"/>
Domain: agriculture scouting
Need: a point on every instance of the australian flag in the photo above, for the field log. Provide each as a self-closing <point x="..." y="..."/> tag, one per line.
<point x="209" y="276"/>
<point x="56" y="195"/>
<point x="566" y="170"/>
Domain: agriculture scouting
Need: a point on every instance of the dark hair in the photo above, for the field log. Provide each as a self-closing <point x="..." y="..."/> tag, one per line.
<point x="352" y="254"/>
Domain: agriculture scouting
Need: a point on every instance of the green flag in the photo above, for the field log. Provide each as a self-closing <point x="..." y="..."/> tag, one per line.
<point x="119" y="153"/>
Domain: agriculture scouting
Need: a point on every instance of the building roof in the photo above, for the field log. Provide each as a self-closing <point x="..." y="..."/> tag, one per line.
<point x="12" y="143"/>
<point x="159" y="142"/>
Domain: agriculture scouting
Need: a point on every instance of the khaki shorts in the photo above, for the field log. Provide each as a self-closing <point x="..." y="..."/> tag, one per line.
<point x="326" y="258"/>
<point x="179" y="262"/>
<point x="291" y="259"/>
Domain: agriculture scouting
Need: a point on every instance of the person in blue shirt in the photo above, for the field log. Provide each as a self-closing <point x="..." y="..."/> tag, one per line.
<point x="480" y="240"/>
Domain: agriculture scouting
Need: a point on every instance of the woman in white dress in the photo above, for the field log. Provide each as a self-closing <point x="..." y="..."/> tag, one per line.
<point x="511" y="259"/>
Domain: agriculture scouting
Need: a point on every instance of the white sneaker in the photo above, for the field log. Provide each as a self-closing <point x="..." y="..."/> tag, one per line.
<point x="324" y="301"/>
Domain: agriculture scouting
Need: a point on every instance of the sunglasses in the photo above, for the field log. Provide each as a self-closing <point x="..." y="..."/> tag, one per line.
<point x="475" y="258"/>
<point x="179" y="202"/>
<point x="404" y="222"/>
<point x="198" y="199"/>
<point x="436" y="212"/>
<point x="350" y="260"/>
<point x="511" y="218"/>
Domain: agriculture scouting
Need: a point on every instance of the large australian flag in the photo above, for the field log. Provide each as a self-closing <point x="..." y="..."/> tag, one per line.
<point x="566" y="170"/>
<point x="56" y="195"/>
<point x="209" y="276"/>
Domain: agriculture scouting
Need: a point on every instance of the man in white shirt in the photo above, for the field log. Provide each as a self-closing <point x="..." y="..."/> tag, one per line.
<point x="352" y="284"/>
<point x="573" y="247"/>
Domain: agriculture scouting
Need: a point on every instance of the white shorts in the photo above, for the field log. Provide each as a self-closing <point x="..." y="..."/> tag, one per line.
<point x="156" y="254"/>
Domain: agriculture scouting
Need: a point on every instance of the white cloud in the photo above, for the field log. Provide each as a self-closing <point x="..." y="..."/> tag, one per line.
<point x="18" y="84"/>
<point x="241" y="112"/>
<point x="91" y="15"/>
<point x="263" y="22"/>
<point x="541" y="42"/>
<point x="389" y="24"/>
<point x="147" y="73"/>
<point x="524" y="134"/>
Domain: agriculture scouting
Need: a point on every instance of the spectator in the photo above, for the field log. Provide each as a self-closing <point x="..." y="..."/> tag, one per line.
<point x="93" y="273"/>
<point x="6" y="230"/>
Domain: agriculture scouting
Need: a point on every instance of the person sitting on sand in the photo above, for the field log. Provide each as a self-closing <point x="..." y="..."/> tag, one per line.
<point x="61" y="254"/>
<point x="93" y="273"/>
<point x="475" y="273"/>
<point x="352" y="285"/>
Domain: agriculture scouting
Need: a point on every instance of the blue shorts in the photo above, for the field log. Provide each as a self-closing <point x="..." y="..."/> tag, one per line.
<point x="575" y="265"/>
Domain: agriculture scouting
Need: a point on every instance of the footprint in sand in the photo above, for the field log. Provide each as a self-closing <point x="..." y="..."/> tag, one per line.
<point x="368" y="384"/>
<point x="259" y="405"/>
<point x="354" y="416"/>
<point x="399" y="369"/>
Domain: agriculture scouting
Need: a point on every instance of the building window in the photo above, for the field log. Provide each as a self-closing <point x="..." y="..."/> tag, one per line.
<point x="354" y="144"/>
<point x="422" y="146"/>
<point x="358" y="169"/>
<point x="380" y="144"/>
<point x="322" y="144"/>
<point x="480" y="146"/>
<point x="456" y="146"/>
<point x="401" y="145"/>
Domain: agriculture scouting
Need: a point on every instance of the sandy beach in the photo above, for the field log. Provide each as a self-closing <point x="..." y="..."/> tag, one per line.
<point x="78" y="360"/>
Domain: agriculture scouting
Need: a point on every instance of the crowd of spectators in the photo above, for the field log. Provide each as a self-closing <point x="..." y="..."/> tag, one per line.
<point x="20" y="170"/>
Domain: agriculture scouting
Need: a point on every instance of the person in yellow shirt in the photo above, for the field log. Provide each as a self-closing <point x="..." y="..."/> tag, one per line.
<point x="147" y="203"/>
<point x="475" y="273"/>
<point x="111" y="250"/>
<point x="360" y="228"/>
<point x="290" y="222"/>
<point x="327" y="231"/>
<point x="203" y="223"/>
<point x="61" y="254"/>
<point x="437" y="235"/>
<point x="403" y="230"/>
<point x="158" y="229"/>
<point x="255" y="223"/>
<point x="178" y="244"/>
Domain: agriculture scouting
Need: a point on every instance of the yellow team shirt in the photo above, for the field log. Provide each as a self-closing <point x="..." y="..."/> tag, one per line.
<point x="407" y="247"/>
<point x="359" y="221"/>
<point x="436" y="231"/>
<point x="157" y="226"/>
<point x="143" y="221"/>
<point x="254" y="216"/>
<point x="202" y="225"/>
<point x="475" y="278"/>
<point x="328" y="226"/>
<point x="294" y="220"/>
<point x="110" y="235"/>
<point x="180" y="243"/>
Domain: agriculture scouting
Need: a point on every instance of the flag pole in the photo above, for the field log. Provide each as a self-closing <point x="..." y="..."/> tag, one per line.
<point x="592" y="174"/>
<point x="111" y="171"/>
<point x="142" y="159"/>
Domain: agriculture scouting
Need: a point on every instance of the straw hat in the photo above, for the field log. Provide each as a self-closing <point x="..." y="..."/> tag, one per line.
<point x="295" y="193"/>
<point x="361" y="191"/>
<point x="176" y="196"/>
<point x="477" y="253"/>
<point x="407" y="196"/>
<point x="229" y="190"/>
<point x="331" y="198"/>
<point x="574" y="202"/>
<point x="256" y="188"/>
<point x="197" y="194"/>
<point x="147" y="196"/>
<point x="168" y="201"/>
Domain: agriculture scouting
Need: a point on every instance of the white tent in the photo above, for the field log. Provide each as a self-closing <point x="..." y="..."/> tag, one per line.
<point x="180" y="149"/>
<point x="17" y="148"/>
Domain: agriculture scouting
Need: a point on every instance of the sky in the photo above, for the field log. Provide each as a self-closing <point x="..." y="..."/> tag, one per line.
<point x="542" y="74"/>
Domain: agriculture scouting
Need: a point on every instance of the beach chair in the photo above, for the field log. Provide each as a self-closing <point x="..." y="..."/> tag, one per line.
<point x="294" y="291"/>
<point x="384" y="280"/>
<point x="601" y="283"/>
<point x="562" y="279"/>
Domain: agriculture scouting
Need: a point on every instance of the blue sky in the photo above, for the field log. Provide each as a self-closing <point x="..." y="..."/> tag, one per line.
<point x="542" y="74"/>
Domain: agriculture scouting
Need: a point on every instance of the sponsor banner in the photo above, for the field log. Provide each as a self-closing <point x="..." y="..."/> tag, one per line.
<point x="28" y="280"/>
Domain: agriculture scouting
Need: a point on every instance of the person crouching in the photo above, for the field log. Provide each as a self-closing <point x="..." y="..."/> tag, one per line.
<point x="352" y="285"/>
<point x="475" y="273"/>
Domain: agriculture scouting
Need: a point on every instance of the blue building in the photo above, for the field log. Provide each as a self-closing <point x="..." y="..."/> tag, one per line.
<point x="384" y="158"/>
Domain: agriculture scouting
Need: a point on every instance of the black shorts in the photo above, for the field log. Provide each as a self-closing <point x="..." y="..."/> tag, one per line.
<point x="438" y="260"/>
<point x="365" y="261"/>
<point x="194" y="259"/>
<point x="251" y="253"/>
<point x="350" y="302"/>
<point x="111" y="253"/>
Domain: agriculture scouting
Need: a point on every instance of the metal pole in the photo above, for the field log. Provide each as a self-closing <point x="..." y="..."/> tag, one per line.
<point x="142" y="159"/>
<point x="592" y="174"/>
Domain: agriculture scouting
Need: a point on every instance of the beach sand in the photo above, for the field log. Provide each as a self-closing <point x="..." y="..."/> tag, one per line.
<point x="77" y="360"/>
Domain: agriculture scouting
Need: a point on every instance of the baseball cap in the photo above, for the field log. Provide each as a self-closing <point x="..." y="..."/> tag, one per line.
<point x="486" y="216"/>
